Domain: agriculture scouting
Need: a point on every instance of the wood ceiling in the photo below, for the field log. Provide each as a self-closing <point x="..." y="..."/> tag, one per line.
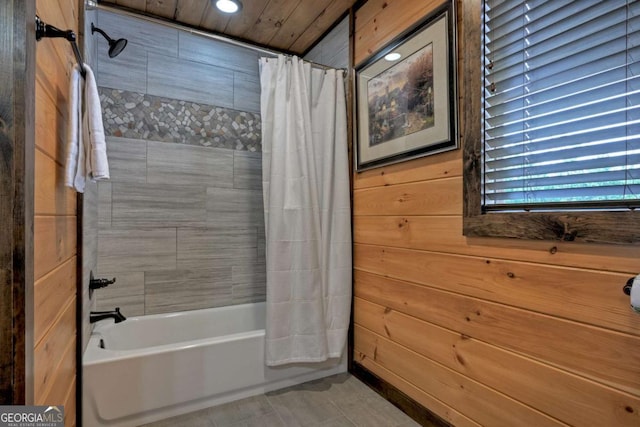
<point x="285" y="25"/>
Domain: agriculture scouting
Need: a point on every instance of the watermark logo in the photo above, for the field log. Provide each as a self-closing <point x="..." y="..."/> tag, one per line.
<point x="31" y="416"/>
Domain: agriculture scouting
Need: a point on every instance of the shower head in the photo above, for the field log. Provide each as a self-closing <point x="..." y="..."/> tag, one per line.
<point x="115" y="46"/>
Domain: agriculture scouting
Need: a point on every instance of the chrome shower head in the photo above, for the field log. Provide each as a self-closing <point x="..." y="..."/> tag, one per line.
<point x="115" y="46"/>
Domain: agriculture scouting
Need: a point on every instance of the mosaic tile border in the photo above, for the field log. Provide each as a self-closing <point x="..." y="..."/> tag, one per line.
<point x="140" y="116"/>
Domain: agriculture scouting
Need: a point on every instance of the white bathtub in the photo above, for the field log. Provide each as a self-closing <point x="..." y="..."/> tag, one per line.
<point x="158" y="366"/>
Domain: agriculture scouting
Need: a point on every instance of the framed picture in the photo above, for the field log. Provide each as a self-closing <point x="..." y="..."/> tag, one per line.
<point x="406" y="95"/>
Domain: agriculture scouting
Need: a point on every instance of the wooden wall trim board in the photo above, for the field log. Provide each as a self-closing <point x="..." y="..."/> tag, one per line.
<point x="51" y="196"/>
<point x="377" y="31"/>
<point x="54" y="218"/>
<point x="587" y="296"/>
<point x="51" y="354"/>
<point x="485" y="363"/>
<point x="53" y="291"/>
<point x="62" y="378"/>
<point x="486" y="406"/>
<point x="17" y="51"/>
<point x="55" y="58"/>
<point x="55" y="242"/>
<point x="444" y="165"/>
<point x="582" y="349"/>
<point x="433" y="233"/>
<point x="49" y="119"/>
<point x="433" y="197"/>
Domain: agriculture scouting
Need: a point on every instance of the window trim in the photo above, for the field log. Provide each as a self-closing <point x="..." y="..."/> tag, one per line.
<point x="619" y="227"/>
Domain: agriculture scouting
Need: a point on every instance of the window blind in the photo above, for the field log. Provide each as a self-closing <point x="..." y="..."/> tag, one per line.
<point x="561" y="104"/>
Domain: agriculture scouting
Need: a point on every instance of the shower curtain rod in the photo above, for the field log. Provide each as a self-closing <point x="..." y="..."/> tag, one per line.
<point x="159" y="21"/>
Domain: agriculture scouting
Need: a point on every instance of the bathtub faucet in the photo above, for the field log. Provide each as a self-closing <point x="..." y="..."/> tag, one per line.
<point x="95" y="316"/>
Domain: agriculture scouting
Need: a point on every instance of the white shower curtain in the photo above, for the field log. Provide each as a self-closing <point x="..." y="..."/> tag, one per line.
<point x="305" y="176"/>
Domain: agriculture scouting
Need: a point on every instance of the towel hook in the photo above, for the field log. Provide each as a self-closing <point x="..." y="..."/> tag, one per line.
<point x="46" y="30"/>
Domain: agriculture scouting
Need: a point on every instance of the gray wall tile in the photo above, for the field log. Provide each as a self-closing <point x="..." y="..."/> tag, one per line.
<point x="129" y="304"/>
<point x="169" y="163"/>
<point x="90" y="211"/>
<point x="243" y="294"/>
<point x="127" y="293"/>
<point x="87" y="327"/>
<point x="337" y="41"/>
<point x="154" y="37"/>
<point x="178" y="290"/>
<point x="246" y="92"/>
<point x="201" y="49"/>
<point x="90" y="42"/>
<point x="104" y="205"/>
<point x="189" y="81"/>
<point x="262" y="243"/>
<point x="158" y="205"/>
<point x="158" y="217"/>
<point x="339" y="59"/>
<point x="315" y="54"/>
<point x="132" y="249"/>
<point x="127" y="160"/>
<point x="333" y="49"/>
<point x="213" y="247"/>
<point x="249" y="274"/>
<point x="126" y="71"/>
<point x="247" y="170"/>
<point x="249" y="282"/>
<point x="234" y="207"/>
<point x="89" y="252"/>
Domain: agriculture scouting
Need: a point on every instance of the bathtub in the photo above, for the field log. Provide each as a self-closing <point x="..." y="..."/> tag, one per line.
<point x="158" y="366"/>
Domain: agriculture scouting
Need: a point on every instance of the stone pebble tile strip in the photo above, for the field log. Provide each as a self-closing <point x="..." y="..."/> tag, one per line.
<point x="140" y="116"/>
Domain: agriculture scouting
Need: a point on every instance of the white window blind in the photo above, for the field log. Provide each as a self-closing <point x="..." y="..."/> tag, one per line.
<point x="561" y="104"/>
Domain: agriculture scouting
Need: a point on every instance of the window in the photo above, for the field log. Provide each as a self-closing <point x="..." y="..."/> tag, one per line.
<point x="556" y="152"/>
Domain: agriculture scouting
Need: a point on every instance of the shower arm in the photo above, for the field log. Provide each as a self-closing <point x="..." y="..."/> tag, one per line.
<point x="49" y="31"/>
<point x="94" y="28"/>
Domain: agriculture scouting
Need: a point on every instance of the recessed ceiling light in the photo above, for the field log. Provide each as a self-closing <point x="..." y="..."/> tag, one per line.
<point x="393" y="56"/>
<point x="228" y="6"/>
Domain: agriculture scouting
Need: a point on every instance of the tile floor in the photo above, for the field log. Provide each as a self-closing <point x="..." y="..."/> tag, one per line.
<point x="336" y="401"/>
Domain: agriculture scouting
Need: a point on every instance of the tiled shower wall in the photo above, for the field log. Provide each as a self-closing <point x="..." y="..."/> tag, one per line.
<point x="333" y="49"/>
<point x="180" y="222"/>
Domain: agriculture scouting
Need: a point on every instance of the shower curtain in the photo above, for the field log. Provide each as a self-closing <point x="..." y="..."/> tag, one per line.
<point x="305" y="176"/>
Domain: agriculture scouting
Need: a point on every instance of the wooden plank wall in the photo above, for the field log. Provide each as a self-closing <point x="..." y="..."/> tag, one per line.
<point x="55" y="219"/>
<point x="17" y="51"/>
<point x="480" y="331"/>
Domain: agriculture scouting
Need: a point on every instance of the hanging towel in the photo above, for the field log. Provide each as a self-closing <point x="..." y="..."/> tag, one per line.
<point x="74" y="166"/>
<point x="86" y="146"/>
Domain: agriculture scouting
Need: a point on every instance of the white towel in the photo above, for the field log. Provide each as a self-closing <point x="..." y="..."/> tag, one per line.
<point x="75" y="168"/>
<point x="86" y="145"/>
<point x="94" y="130"/>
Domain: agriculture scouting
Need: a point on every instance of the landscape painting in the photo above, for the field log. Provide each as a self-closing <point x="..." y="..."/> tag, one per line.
<point x="406" y="95"/>
<point x="401" y="99"/>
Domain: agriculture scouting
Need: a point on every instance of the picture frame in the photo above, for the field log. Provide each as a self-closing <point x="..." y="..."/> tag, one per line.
<point x="406" y="107"/>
